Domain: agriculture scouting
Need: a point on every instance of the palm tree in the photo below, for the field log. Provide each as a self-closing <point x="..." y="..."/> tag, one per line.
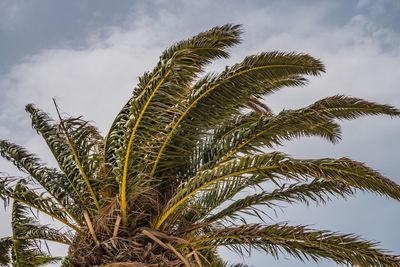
<point x="165" y="187"/>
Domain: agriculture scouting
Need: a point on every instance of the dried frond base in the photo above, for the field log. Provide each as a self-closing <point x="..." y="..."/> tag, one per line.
<point x="110" y="245"/>
<point x="137" y="251"/>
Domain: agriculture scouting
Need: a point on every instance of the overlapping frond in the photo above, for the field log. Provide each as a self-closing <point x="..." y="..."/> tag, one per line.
<point x="26" y="228"/>
<point x="197" y="208"/>
<point x="275" y="166"/>
<point x="81" y="148"/>
<point x="188" y="59"/>
<point x="50" y="179"/>
<point x="23" y="256"/>
<point x="318" y="191"/>
<point x="87" y="142"/>
<point x="24" y="249"/>
<point x="209" y="148"/>
<point x="301" y="243"/>
<point x="193" y="215"/>
<point x="61" y="149"/>
<point x="39" y="201"/>
<point x="47" y="234"/>
<point x="255" y="130"/>
<point x="217" y="97"/>
<point x="269" y="165"/>
<point x="315" y="119"/>
<point x="157" y="99"/>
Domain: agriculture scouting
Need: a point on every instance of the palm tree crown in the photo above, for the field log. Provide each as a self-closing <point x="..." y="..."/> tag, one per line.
<point x="165" y="186"/>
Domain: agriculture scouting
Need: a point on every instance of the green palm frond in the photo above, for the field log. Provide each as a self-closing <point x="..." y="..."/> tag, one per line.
<point x="47" y="234"/>
<point x="65" y="262"/>
<point x="50" y="179"/>
<point x="188" y="58"/>
<point x="315" y="119"/>
<point x="81" y="152"/>
<point x="159" y="93"/>
<point x="301" y="243"/>
<point x="267" y="166"/>
<point x="24" y="250"/>
<point x="26" y="228"/>
<point x="231" y="89"/>
<point x="276" y="165"/>
<point x="6" y="244"/>
<point x="87" y="142"/>
<point x="39" y="201"/>
<point x="354" y="174"/>
<point x="318" y="191"/>
<point x="30" y="257"/>
<point x="254" y="133"/>
<point x="58" y="145"/>
<point x="201" y="206"/>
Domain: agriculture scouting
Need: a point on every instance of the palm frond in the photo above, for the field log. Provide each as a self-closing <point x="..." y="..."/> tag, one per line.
<point x="47" y="234"/>
<point x="354" y="174"/>
<point x="26" y="228"/>
<point x="25" y="250"/>
<point x="31" y="257"/>
<point x="256" y="135"/>
<point x="189" y="58"/>
<point x="50" y="179"/>
<point x="318" y="191"/>
<point x="216" y="195"/>
<point x="277" y="165"/>
<point x="58" y="145"/>
<point x="315" y="119"/>
<point x="199" y="207"/>
<point x="65" y="262"/>
<point x="230" y="90"/>
<point x="268" y="164"/>
<point x="300" y="242"/>
<point x="39" y="201"/>
<point x="87" y="143"/>
<point x="86" y="132"/>
<point x="6" y="244"/>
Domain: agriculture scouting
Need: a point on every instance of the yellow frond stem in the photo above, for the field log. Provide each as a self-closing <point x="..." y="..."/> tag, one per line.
<point x="125" y="172"/>
<point x="82" y="171"/>
<point x="106" y="140"/>
<point x="77" y="159"/>
<point x="198" y="99"/>
<point x="171" y="209"/>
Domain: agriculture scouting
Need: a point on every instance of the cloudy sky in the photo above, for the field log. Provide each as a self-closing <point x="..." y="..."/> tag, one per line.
<point x="89" y="54"/>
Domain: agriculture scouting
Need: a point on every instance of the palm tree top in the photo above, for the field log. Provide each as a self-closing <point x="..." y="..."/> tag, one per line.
<point x="165" y="186"/>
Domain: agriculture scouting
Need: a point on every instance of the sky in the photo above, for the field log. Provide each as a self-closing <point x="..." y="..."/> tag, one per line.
<point x="89" y="55"/>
